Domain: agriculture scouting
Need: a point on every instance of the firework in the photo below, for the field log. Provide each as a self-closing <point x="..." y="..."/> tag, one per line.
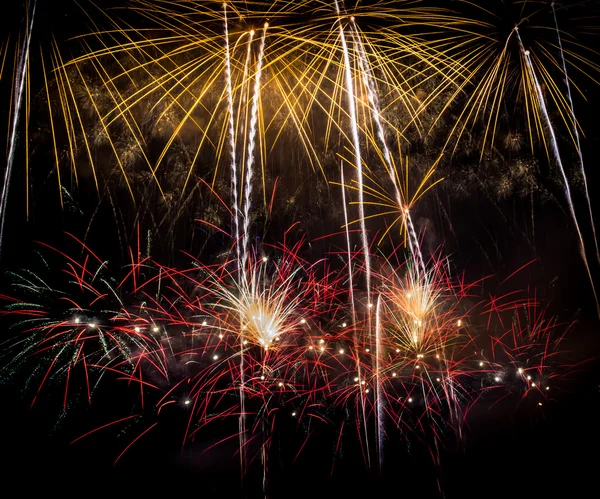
<point x="256" y="329"/>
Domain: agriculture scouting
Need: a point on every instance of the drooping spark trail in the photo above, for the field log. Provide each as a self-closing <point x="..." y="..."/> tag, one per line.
<point x="576" y="131"/>
<point x="558" y="160"/>
<point x="251" y="147"/>
<point x="20" y="83"/>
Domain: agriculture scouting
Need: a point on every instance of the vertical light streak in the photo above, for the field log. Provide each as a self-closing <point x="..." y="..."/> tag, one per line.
<point x="350" y="279"/>
<point x="241" y="123"/>
<point x="379" y="398"/>
<point x="413" y="244"/>
<point x="353" y="308"/>
<point x="251" y="146"/>
<point x="27" y="116"/>
<point x="576" y="132"/>
<point x="357" y="155"/>
<point x="263" y="455"/>
<point x="20" y="82"/>
<point x="557" y="157"/>
<point x="231" y="133"/>
<point x="358" y="165"/>
<point x="369" y="83"/>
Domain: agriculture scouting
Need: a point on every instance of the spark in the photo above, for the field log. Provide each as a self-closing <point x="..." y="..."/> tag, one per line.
<point x="251" y="146"/>
<point x="20" y="78"/>
<point x="558" y="159"/>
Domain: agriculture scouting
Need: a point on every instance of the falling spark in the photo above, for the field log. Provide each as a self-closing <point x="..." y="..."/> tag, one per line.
<point x="560" y="165"/>
<point x="357" y="155"/>
<point x="251" y="146"/>
<point x="576" y="130"/>
<point x="20" y="81"/>
<point x="379" y="418"/>
<point x="230" y="110"/>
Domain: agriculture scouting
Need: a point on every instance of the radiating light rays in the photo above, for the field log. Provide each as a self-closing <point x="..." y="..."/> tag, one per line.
<point x="162" y="85"/>
<point x="384" y="198"/>
<point x="262" y="310"/>
<point x="415" y="305"/>
<point x="400" y="192"/>
<point x="268" y="303"/>
<point x="523" y="352"/>
<point x="264" y="315"/>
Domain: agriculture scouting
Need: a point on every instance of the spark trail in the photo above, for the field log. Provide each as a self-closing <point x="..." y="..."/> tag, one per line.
<point x="20" y="83"/>
<point x="231" y="135"/>
<point x="576" y="131"/>
<point x="357" y="155"/>
<point x="558" y="159"/>
<point x="353" y="308"/>
<point x="358" y="165"/>
<point x="251" y="147"/>
<point x="242" y="417"/>
<point x="369" y="83"/>
<point x="378" y="394"/>
<point x="413" y="243"/>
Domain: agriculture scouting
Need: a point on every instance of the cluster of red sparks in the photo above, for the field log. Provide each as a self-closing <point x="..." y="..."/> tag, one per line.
<point x="284" y="336"/>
